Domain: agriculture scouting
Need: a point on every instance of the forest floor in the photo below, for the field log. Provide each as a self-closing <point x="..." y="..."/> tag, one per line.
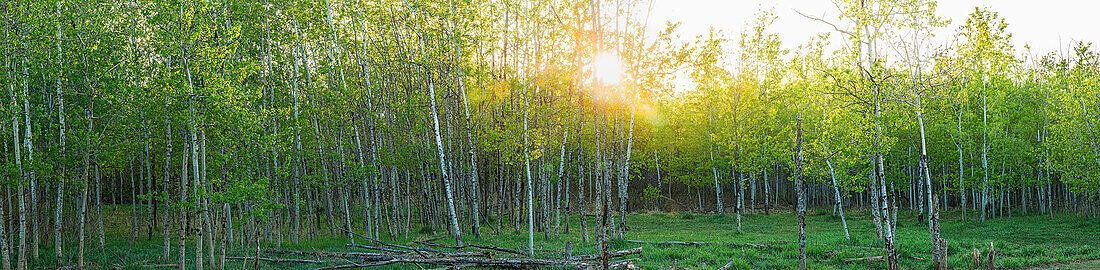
<point x="1032" y="241"/>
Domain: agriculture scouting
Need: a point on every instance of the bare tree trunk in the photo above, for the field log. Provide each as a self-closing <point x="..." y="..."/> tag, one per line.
<point x="23" y="173"/>
<point x="84" y="187"/>
<point x="888" y="227"/>
<point x="714" y="172"/>
<point x="167" y="175"/>
<point x="624" y="178"/>
<point x="582" y="207"/>
<point x="5" y="249"/>
<point x="939" y="247"/>
<point x="557" y="201"/>
<point x="962" y="187"/>
<point x="475" y="196"/>
<point x="59" y="205"/>
<point x="99" y="205"/>
<point x="985" y="157"/>
<point x="184" y="194"/>
<point x="800" y="193"/>
<point x="527" y="168"/>
<point x="455" y="230"/>
<point x="839" y="202"/>
<point x="767" y="193"/>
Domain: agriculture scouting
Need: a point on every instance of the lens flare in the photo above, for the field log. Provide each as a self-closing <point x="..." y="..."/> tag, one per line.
<point x="608" y="68"/>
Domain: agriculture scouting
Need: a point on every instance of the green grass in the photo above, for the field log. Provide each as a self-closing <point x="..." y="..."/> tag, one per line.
<point x="1021" y="242"/>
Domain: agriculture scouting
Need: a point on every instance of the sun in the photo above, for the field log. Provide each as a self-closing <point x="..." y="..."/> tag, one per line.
<point x="608" y="68"/>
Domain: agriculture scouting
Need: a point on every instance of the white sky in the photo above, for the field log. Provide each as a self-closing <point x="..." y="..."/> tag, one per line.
<point x="1042" y="24"/>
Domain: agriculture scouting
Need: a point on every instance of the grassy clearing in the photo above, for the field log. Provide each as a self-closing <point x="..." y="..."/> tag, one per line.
<point x="1022" y="242"/>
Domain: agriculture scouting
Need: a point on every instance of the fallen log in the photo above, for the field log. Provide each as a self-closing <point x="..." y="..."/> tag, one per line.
<point x="275" y="260"/>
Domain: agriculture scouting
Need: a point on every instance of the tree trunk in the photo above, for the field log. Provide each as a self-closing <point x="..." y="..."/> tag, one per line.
<point x="939" y="246"/>
<point x="985" y="158"/>
<point x="561" y="170"/>
<point x="839" y="202"/>
<point x="527" y="168"/>
<point x="624" y="178"/>
<point x="183" y="224"/>
<point x="5" y="249"/>
<point x="800" y="193"/>
<point x="84" y="186"/>
<point x="167" y="250"/>
<point x="767" y="193"/>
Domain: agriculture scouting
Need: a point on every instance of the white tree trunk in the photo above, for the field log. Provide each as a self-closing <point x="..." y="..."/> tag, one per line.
<point x="839" y="202"/>
<point x="527" y="168"/>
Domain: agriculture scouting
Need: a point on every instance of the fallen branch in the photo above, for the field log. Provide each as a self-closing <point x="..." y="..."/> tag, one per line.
<point x="387" y="244"/>
<point x="871" y="258"/>
<point x="159" y="265"/>
<point x="374" y="248"/>
<point x="452" y="267"/>
<point x="876" y="258"/>
<point x="704" y="243"/>
<point x="474" y="246"/>
<point x="356" y="265"/>
<point x="435" y="239"/>
<point x="678" y="203"/>
<point x="510" y="263"/>
<point x="617" y="253"/>
<point x="77" y="266"/>
<point x="364" y="256"/>
<point x="727" y="266"/>
<point x="275" y="260"/>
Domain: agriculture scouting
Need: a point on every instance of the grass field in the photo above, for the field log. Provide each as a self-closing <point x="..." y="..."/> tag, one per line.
<point x="1021" y="242"/>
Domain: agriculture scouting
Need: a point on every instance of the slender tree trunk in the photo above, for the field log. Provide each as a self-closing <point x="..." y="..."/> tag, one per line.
<point x="561" y="170"/>
<point x="839" y="203"/>
<point x="714" y="172"/>
<point x="767" y="193"/>
<point x="167" y="250"/>
<point x="32" y="173"/>
<point x="5" y="249"/>
<point x="985" y="158"/>
<point x="582" y="207"/>
<point x="624" y="178"/>
<point x="527" y="168"/>
<point x="23" y="173"/>
<point x="183" y="224"/>
<point x="962" y="186"/>
<point x="888" y="224"/>
<point x="800" y="193"/>
<point x="939" y="246"/>
<point x="84" y="186"/>
<point x="99" y="205"/>
<point x="455" y="230"/>
<point x="59" y="205"/>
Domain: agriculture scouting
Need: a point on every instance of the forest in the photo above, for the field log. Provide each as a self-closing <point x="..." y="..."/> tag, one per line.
<point x="500" y="134"/>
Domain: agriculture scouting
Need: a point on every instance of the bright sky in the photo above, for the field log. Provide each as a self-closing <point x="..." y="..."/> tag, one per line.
<point x="1044" y="24"/>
